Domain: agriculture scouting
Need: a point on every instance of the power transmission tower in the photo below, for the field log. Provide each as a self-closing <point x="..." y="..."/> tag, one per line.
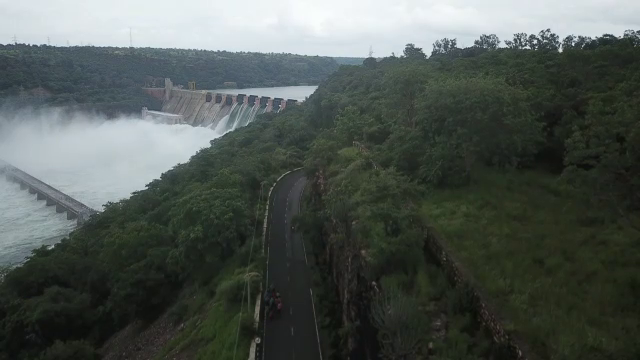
<point x="48" y="41"/>
<point x="370" y="51"/>
<point x="130" y="38"/>
<point x="68" y="43"/>
<point x="15" y="39"/>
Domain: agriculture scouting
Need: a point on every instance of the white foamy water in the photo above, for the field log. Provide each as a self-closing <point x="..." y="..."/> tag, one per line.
<point x="92" y="160"/>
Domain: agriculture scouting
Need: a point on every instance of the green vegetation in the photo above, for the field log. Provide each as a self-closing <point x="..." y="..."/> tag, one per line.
<point x="349" y="60"/>
<point x="185" y="231"/>
<point x="554" y="264"/>
<point x="212" y="315"/>
<point x="526" y="158"/>
<point x="109" y="79"/>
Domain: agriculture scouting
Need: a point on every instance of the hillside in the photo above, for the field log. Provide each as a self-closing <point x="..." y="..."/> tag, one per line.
<point x="525" y="160"/>
<point x="527" y="164"/>
<point x="349" y="60"/>
<point x="109" y="79"/>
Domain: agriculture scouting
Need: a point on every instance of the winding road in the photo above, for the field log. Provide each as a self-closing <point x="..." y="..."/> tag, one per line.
<point x="295" y="334"/>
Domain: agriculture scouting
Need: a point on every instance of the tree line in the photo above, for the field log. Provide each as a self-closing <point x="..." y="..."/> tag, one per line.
<point x="107" y="78"/>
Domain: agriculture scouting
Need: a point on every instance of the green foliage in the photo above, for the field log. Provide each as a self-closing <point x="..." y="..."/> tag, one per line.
<point x="108" y="79"/>
<point x="490" y="42"/>
<point x="466" y="122"/>
<point x="603" y="158"/>
<point x="560" y="271"/>
<point x="470" y="121"/>
<point x="231" y="290"/>
<point x="349" y="60"/>
<point x="473" y="123"/>
<point x="131" y="261"/>
<point x="412" y="52"/>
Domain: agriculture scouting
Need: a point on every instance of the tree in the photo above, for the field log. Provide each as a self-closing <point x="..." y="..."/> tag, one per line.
<point x="548" y="41"/>
<point x="520" y="41"/>
<point x="405" y="85"/>
<point x="490" y="42"/>
<point x="633" y="36"/>
<point x="474" y="120"/>
<point x="444" y="46"/>
<point x="413" y="53"/>
<point x="351" y="125"/>
<point x="603" y="159"/>
<point x="582" y="42"/>
<point x="533" y="41"/>
<point x="568" y="42"/>
<point x="370" y="63"/>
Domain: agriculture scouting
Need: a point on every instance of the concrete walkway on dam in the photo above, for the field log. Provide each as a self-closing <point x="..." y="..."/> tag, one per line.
<point x="74" y="208"/>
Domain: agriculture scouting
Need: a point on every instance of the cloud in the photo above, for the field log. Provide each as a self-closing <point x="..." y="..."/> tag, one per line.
<point x="329" y="27"/>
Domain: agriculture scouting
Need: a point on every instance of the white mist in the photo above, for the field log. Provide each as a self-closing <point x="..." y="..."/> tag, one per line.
<point x="86" y="157"/>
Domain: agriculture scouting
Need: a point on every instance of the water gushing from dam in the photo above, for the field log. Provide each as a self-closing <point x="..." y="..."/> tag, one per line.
<point x="96" y="161"/>
<point x="222" y="110"/>
<point x="88" y="158"/>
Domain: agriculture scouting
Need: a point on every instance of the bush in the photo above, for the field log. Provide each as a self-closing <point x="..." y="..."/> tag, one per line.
<point x="231" y="290"/>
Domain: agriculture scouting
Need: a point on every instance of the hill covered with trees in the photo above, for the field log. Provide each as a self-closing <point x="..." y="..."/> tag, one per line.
<point x="109" y="79"/>
<point x="526" y="159"/>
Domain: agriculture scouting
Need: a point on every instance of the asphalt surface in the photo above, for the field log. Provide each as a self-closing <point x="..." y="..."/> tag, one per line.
<point x="293" y="335"/>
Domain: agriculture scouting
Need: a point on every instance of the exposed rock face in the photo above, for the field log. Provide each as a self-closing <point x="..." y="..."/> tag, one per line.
<point x="347" y="260"/>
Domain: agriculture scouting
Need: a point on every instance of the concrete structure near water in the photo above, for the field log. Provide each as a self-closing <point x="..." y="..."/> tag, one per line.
<point x="206" y="108"/>
<point x="163" y="117"/>
<point x="53" y="197"/>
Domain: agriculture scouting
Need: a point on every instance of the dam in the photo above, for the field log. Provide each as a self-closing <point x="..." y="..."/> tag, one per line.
<point x="53" y="197"/>
<point x="218" y="111"/>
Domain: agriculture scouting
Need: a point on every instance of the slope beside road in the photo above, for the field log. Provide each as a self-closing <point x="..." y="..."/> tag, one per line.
<point x="294" y="335"/>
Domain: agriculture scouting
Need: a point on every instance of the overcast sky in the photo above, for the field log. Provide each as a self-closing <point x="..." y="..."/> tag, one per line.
<point x="318" y="27"/>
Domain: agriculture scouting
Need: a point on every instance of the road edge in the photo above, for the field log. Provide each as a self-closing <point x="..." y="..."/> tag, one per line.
<point x="255" y="349"/>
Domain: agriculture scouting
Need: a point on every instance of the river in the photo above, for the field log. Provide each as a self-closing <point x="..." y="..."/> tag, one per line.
<point x="299" y="93"/>
<point x="90" y="159"/>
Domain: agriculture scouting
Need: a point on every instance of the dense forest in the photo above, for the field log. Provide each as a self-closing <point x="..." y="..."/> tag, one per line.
<point x="109" y="79"/>
<point x="349" y="60"/>
<point x="525" y="158"/>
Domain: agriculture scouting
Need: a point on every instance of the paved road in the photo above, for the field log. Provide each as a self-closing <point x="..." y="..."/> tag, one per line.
<point x="294" y="335"/>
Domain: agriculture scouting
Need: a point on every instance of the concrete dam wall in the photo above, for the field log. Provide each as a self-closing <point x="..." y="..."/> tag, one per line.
<point x="221" y="112"/>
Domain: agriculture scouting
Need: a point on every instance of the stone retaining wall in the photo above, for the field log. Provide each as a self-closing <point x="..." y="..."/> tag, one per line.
<point x="486" y="313"/>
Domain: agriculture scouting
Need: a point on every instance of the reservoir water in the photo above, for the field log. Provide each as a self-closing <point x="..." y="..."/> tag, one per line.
<point x="286" y="92"/>
<point x="90" y="159"/>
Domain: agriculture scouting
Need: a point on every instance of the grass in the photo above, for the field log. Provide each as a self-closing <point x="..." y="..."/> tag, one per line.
<point x="211" y="314"/>
<point x="564" y="275"/>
